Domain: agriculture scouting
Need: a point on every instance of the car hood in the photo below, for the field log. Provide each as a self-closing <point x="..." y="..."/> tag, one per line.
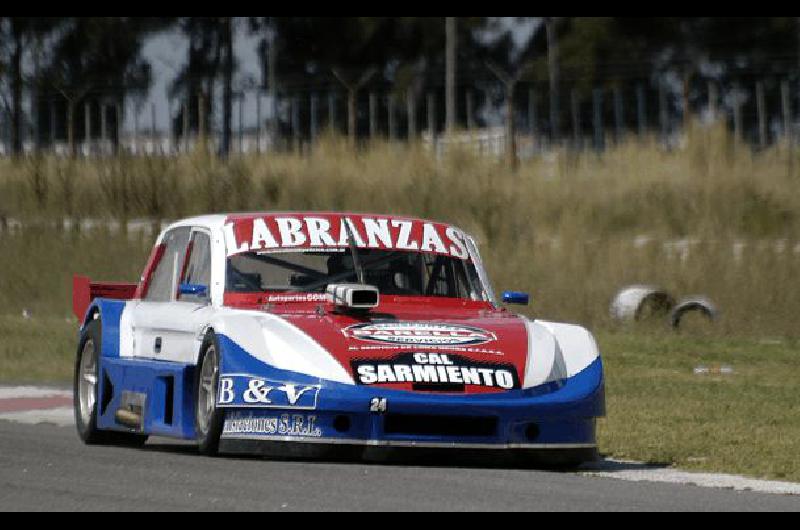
<point x="459" y="351"/>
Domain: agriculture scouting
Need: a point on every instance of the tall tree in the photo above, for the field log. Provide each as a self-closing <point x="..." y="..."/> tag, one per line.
<point x="99" y="57"/>
<point x="227" y="87"/>
<point x="19" y="34"/>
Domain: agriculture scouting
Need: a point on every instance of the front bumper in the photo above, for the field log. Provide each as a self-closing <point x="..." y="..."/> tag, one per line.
<point x="557" y="416"/>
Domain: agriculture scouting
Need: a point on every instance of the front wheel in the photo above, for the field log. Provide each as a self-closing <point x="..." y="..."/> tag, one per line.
<point x="208" y="417"/>
<point x="85" y="392"/>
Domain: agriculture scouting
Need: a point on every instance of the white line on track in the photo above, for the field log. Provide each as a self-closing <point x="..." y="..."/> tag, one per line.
<point x="638" y="472"/>
<point x="61" y="417"/>
<point x="21" y="392"/>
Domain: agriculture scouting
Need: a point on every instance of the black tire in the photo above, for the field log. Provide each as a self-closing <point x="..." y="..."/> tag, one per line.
<point x="86" y="423"/>
<point x="208" y="425"/>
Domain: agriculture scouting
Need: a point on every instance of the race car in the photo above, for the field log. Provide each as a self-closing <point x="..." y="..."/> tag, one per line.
<point x="310" y="334"/>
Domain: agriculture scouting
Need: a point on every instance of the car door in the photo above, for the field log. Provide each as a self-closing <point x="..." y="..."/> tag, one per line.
<point x="168" y="321"/>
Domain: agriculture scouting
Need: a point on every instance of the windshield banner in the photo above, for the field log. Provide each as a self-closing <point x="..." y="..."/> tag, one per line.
<point x="324" y="231"/>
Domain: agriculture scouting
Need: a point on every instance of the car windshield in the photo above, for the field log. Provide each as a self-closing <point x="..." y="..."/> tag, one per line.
<point x="392" y="272"/>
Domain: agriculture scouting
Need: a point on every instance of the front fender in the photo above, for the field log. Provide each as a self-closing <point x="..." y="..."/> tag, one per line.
<point x="275" y="342"/>
<point x="557" y="351"/>
<point x="110" y="313"/>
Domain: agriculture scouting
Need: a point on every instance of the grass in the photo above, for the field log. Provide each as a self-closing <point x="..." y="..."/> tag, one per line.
<point x="747" y="422"/>
<point x="37" y="350"/>
<point x="570" y="228"/>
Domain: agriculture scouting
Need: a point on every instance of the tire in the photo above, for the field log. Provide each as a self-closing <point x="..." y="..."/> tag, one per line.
<point x="85" y="392"/>
<point x="208" y="418"/>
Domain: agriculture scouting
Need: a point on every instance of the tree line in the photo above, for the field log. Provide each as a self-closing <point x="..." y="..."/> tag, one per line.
<point x="73" y="60"/>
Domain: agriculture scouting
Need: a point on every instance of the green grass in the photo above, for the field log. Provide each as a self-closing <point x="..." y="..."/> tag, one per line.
<point x="660" y="411"/>
<point x="37" y="350"/>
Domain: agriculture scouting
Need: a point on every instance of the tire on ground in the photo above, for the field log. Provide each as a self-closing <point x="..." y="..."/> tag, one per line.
<point x="88" y="431"/>
<point x="700" y="304"/>
<point x="639" y="302"/>
<point x="208" y="439"/>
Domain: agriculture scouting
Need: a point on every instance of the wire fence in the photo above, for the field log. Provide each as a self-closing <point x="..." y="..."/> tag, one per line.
<point x="760" y="112"/>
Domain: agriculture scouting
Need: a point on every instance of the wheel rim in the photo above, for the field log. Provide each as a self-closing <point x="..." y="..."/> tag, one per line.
<point x="206" y="394"/>
<point x="87" y="383"/>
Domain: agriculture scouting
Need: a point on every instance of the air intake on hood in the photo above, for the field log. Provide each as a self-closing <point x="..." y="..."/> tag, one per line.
<point x="353" y="295"/>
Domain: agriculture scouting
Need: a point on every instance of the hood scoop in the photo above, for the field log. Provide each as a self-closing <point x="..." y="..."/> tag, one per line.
<point x="348" y="297"/>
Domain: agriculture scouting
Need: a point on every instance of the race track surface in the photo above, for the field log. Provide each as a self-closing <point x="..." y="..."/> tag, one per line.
<point x="45" y="467"/>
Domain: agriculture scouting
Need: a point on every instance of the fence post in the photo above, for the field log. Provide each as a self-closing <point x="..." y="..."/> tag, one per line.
<point x="258" y="121"/>
<point x="295" y="108"/>
<point x="373" y="115"/>
<point x="663" y="112"/>
<point x="2" y="132"/>
<point x="87" y="125"/>
<point x="641" y="110"/>
<point x="431" y="115"/>
<point x="153" y="126"/>
<point x="619" y="114"/>
<point x="713" y="98"/>
<point x="53" y="124"/>
<point x="331" y="111"/>
<point x="117" y="125"/>
<point x="687" y="108"/>
<point x="185" y="126"/>
<point x="786" y="107"/>
<point x="103" y="128"/>
<point x="241" y="122"/>
<point x="391" y="117"/>
<point x="470" y="111"/>
<point x="312" y="111"/>
<point x="575" y="107"/>
<point x="737" y="114"/>
<point x="201" y="120"/>
<point x="532" y="119"/>
<point x="411" y="110"/>
<point x="761" y="109"/>
<point x="597" y="106"/>
<point x="135" y="143"/>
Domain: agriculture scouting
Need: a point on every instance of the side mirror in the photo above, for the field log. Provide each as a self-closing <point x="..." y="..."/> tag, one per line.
<point x="193" y="289"/>
<point x="515" y="297"/>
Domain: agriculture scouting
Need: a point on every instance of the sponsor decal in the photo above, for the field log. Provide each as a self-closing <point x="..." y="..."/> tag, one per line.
<point x="435" y="370"/>
<point x="249" y="391"/>
<point x="409" y="347"/>
<point x="280" y="232"/>
<point x="300" y="425"/>
<point x="419" y="333"/>
<point x="305" y="297"/>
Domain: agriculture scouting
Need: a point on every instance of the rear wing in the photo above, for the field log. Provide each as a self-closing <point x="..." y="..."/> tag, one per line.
<point x="84" y="291"/>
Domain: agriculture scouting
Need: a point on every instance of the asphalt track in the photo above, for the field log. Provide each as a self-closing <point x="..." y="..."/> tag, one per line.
<point x="46" y="467"/>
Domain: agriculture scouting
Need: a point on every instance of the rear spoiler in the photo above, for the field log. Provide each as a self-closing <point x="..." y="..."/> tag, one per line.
<point x="84" y="291"/>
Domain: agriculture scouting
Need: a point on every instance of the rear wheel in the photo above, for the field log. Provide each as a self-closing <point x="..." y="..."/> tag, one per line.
<point x="208" y="417"/>
<point x="85" y="392"/>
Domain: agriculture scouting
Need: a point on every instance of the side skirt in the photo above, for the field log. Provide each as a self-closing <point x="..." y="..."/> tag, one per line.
<point x="147" y="397"/>
<point x="509" y="456"/>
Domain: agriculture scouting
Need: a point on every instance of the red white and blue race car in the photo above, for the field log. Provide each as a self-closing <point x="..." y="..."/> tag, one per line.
<point x="308" y="334"/>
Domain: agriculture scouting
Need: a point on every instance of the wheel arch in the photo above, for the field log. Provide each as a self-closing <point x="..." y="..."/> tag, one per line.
<point x="109" y="312"/>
